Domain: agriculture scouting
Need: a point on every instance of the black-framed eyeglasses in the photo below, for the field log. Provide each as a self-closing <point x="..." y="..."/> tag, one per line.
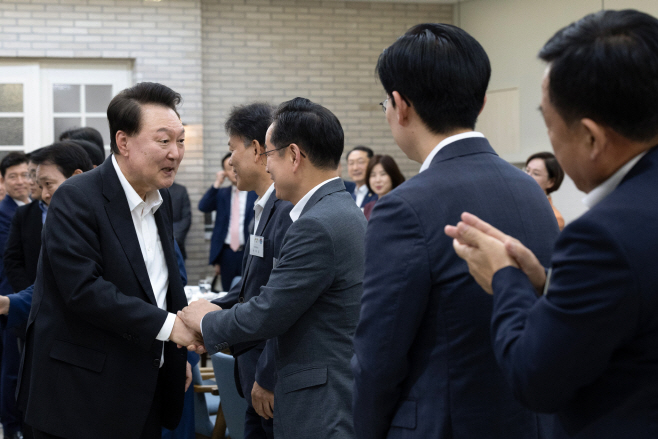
<point x="384" y="103"/>
<point x="266" y="153"/>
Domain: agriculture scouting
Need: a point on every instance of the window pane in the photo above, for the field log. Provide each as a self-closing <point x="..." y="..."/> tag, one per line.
<point x="102" y="125"/>
<point x="11" y="131"/>
<point x="66" y="98"/>
<point x="65" y="123"/>
<point x="98" y="97"/>
<point x="11" y="98"/>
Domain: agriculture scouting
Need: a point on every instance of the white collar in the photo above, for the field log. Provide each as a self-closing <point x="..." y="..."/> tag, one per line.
<point x="152" y="200"/>
<point x="262" y="201"/>
<point x="297" y="210"/>
<point x="445" y="142"/>
<point x="604" y="189"/>
<point x="360" y="189"/>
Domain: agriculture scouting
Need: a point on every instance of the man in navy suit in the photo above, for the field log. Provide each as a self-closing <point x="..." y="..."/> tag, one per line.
<point x="423" y="363"/>
<point x="587" y="348"/>
<point x="234" y="212"/>
<point x="357" y="165"/>
<point x="246" y="127"/>
<point x="13" y="169"/>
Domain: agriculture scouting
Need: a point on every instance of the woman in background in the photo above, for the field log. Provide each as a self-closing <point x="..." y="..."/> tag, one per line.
<point x="548" y="173"/>
<point x="382" y="176"/>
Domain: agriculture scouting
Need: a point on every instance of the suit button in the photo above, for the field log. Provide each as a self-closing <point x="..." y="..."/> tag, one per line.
<point x="156" y="363"/>
<point x="218" y="347"/>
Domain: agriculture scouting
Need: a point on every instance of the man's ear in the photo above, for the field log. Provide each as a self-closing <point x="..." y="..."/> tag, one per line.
<point x="295" y="156"/>
<point x="76" y="172"/>
<point x="402" y="109"/>
<point x="597" y="138"/>
<point x="255" y="149"/>
<point x="121" y="139"/>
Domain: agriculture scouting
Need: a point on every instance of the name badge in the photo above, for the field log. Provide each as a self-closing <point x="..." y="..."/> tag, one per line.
<point x="257" y="247"/>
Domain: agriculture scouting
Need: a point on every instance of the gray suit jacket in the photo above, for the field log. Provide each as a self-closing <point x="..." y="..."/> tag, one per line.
<point x="311" y="305"/>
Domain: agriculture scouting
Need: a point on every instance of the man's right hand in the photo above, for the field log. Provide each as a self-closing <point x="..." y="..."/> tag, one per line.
<point x="221" y="175"/>
<point x="4" y="305"/>
<point x="183" y="335"/>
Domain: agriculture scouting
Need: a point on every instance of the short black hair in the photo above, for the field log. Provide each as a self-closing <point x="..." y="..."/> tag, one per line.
<point x="605" y="67"/>
<point x="226" y="156"/>
<point x="67" y="156"/>
<point x="361" y="148"/>
<point x="91" y="150"/>
<point x="315" y="129"/>
<point x="555" y="171"/>
<point x="12" y="159"/>
<point x="250" y="122"/>
<point x="442" y="71"/>
<point x="86" y="133"/>
<point x="125" y="110"/>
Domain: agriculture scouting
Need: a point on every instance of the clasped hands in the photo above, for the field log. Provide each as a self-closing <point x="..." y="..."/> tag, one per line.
<point x="487" y="250"/>
<point x="187" y="326"/>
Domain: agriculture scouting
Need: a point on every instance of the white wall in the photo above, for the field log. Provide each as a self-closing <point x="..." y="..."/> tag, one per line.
<point x="512" y="32"/>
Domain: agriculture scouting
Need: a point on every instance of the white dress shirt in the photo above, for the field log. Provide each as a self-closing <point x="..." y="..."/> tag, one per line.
<point x="605" y="188"/>
<point x="297" y="210"/>
<point x="18" y="202"/>
<point x="259" y="205"/>
<point x="142" y="212"/>
<point x="360" y="192"/>
<point x="445" y="142"/>
<point x="243" y="205"/>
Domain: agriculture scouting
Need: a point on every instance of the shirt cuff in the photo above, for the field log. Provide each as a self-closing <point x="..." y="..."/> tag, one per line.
<point x="168" y="326"/>
<point x="201" y="326"/>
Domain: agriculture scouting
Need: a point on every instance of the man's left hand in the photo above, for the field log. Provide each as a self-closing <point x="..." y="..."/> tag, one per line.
<point x="263" y="401"/>
<point x="188" y="375"/>
<point x="4" y="305"/>
<point x="192" y="314"/>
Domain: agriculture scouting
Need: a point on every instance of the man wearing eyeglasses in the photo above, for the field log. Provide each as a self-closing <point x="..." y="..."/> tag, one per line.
<point x="423" y="362"/>
<point x="311" y="301"/>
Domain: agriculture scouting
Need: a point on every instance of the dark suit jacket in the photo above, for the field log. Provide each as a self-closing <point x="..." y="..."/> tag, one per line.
<point x="7" y="210"/>
<point x="588" y="349"/>
<point x="254" y="364"/>
<point x="423" y="362"/>
<point x="180" y="202"/>
<point x="91" y="361"/>
<point x="220" y="201"/>
<point x="23" y="246"/>
<point x="311" y="305"/>
<point x="370" y="196"/>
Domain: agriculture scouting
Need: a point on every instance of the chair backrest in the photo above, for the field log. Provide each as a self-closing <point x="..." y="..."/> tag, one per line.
<point x="202" y="423"/>
<point x="233" y="405"/>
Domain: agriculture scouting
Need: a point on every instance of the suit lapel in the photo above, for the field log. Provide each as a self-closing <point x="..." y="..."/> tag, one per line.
<point x="172" y="267"/>
<point x="118" y="212"/>
<point x="264" y="219"/>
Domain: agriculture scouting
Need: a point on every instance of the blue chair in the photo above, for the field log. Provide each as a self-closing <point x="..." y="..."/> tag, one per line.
<point x="206" y="405"/>
<point x="233" y="405"/>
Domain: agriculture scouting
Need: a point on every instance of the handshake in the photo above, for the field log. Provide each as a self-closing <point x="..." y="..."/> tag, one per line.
<point x="187" y="326"/>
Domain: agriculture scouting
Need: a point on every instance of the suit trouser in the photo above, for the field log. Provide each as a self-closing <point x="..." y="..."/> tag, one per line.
<point x="256" y="427"/>
<point x="10" y="358"/>
<point x="230" y="263"/>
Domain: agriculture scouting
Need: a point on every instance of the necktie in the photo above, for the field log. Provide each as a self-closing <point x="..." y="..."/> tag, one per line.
<point x="234" y="228"/>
